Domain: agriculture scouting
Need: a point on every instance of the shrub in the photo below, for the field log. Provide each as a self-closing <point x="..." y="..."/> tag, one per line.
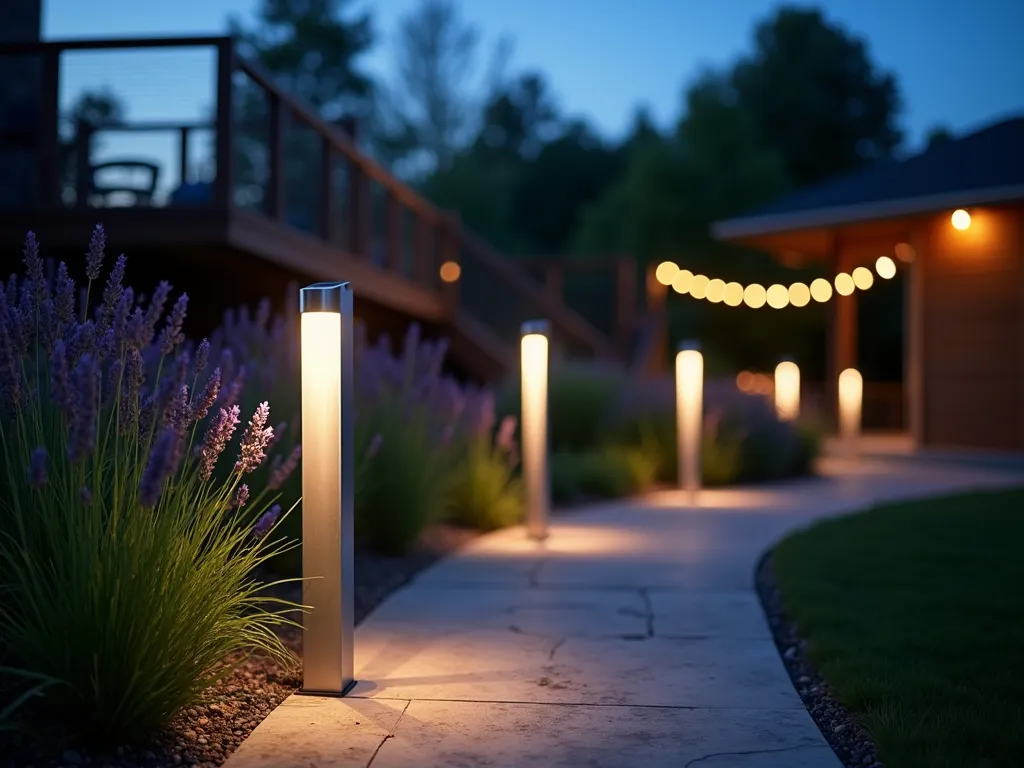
<point x="127" y="566"/>
<point x="583" y="399"/>
<point x="601" y="474"/>
<point x="486" y="493"/>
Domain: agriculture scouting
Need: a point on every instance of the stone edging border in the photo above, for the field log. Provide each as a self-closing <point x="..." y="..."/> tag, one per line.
<point x="849" y="740"/>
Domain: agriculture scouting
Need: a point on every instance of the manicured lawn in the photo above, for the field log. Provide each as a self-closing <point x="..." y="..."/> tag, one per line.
<point x="914" y="614"/>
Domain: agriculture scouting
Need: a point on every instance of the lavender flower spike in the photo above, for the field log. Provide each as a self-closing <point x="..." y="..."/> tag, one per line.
<point x="86" y="381"/>
<point x="266" y="521"/>
<point x="255" y="440"/>
<point x="60" y="384"/>
<point x="38" y="464"/>
<point x="282" y="471"/>
<point x="113" y="290"/>
<point x="217" y="436"/>
<point x="85" y="495"/>
<point x="241" y="496"/>
<point x="202" y="357"/>
<point x="163" y="462"/>
<point x="97" y="250"/>
<point x="208" y="396"/>
<point x="172" y="336"/>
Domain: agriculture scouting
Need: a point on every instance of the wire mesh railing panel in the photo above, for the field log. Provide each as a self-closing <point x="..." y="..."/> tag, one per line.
<point x="379" y="234"/>
<point x="340" y="201"/>
<point x="485" y="296"/>
<point x="303" y="174"/>
<point x="250" y="124"/>
<point x="136" y="126"/>
<point x="593" y="294"/>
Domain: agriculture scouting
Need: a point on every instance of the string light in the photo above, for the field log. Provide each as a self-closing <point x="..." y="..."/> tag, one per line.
<point x="862" y="278"/>
<point x="778" y="296"/>
<point x="885" y="267"/>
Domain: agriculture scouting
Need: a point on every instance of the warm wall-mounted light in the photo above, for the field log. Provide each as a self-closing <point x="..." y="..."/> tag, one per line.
<point x="689" y="413"/>
<point x="885" y="267"/>
<point x="328" y="493"/>
<point x="787" y="390"/>
<point x="851" y="395"/>
<point x="450" y="271"/>
<point x="960" y="219"/>
<point x="666" y="272"/>
<point x="534" y="421"/>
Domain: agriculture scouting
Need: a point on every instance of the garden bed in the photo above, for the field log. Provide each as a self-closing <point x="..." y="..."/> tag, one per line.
<point x="206" y="734"/>
<point x="902" y="627"/>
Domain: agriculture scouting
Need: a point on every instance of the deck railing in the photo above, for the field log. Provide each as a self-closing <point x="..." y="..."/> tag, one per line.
<point x="257" y="148"/>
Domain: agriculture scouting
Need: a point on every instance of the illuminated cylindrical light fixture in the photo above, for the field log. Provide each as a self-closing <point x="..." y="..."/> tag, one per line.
<point x="689" y="413"/>
<point x="534" y="350"/>
<point x="787" y="390"/>
<point x="851" y="395"/>
<point x="328" y="491"/>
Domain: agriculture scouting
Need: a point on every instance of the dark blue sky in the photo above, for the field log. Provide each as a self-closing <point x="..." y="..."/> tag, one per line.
<point x="959" y="62"/>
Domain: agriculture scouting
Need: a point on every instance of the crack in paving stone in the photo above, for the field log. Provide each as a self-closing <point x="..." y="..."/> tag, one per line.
<point x="649" y="610"/>
<point x="555" y="647"/>
<point x="389" y="735"/>
<point x="753" y="752"/>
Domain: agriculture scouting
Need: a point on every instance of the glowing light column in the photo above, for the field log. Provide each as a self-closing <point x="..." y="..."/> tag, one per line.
<point x="328" y="492"/>
<point x="534" y="349"/>
<point x="787" y="390"/>
<point x="689" y="413"/>
<point x="851" y="394"/>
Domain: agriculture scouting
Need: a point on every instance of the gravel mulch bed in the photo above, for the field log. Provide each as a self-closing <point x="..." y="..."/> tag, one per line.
<point x="206" y="734"/>
<point x="848" y="739"/>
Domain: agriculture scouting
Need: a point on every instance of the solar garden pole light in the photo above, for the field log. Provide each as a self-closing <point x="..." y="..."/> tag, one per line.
<point x="689" y="414"/>
<point x="534" y="350"/>
<point x="851" y="396"/>
<point x="787" y="390"/>
<point x="328" y="493"/>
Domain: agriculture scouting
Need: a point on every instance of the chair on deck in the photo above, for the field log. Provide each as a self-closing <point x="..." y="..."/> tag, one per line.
<point x="141" y="192"/>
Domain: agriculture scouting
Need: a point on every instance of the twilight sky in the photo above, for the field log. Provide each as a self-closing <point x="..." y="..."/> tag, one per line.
<point x="958" y="63"/>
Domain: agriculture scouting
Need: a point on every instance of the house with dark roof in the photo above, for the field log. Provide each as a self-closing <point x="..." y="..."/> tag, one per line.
<point x="953" y="218"/>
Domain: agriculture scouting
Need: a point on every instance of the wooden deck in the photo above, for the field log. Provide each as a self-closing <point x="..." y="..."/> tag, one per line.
<point x="290" y="197"/>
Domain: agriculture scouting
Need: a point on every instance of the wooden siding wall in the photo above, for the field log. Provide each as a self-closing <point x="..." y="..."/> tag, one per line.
<point x="972" y="321"/>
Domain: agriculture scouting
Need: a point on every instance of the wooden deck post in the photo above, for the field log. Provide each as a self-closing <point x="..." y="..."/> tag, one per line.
<point x="395" y="237"/>
<point x="913" y="339"/>
<point x="328" y="227"/>
<point x="49" y="171"/>
<point x="842" y="335"/>
<point x="423" y="253"/>
<point x="359" y="224"/>
<point x="625" y="303"/>
<point x="83" y="162"/>
<point x="223" y="186"/>
<point x="277" y="187"/>
<point x="657" y="300"/>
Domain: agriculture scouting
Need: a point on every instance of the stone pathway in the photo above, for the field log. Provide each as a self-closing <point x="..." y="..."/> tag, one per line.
<point x="631" y="638"/>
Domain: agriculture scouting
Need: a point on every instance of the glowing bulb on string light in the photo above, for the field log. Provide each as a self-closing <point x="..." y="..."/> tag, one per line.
<point x="733" y="294"/>
<point x="754" y="296"/>
<point x="844" y="284"/>
<point x="885" y="267"/>
<point x="863" y="278"/>
<point x="716" y="291"/>
<point x="699" y="286"/>
<point x="777" y="296"/>
<point x="666" y="272"/>
<point x="821" y="290"/>
<point x="799" y="295"/>
<point x="682" y="281"/>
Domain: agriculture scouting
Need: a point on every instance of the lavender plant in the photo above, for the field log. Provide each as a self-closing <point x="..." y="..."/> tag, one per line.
<point x="127" y="560"/>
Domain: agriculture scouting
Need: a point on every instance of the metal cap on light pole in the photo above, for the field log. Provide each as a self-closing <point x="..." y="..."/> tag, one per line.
<point x="323" y="297"/>
<point x="541" y="327"/>
<point x="688" y="345"/>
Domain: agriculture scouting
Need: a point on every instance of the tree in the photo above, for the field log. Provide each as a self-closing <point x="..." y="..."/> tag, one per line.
<point x="311" y="48"/>
<point x="431" y="103"/>
<point x="814" y="94"/>
<point x="937" y="136"/>
<point x="518" y="118"/>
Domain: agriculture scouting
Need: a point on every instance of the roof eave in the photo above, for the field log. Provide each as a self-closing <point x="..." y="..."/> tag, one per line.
<point x="754" y="226"/>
